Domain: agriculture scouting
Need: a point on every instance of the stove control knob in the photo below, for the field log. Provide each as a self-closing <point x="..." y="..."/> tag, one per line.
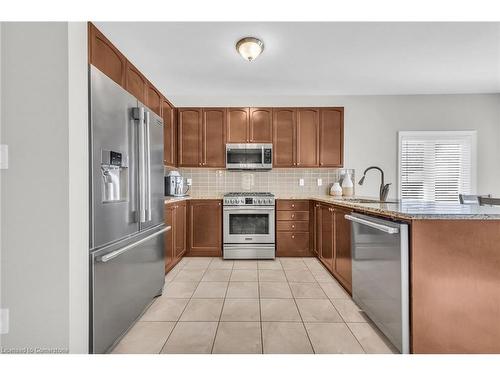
<point x="259" y="201"/>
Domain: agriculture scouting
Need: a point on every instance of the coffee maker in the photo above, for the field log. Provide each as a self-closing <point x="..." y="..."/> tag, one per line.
<point x="174" y="185"/>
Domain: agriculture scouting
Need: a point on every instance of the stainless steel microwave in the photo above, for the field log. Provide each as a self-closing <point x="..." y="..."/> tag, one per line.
<point x="249" y="156"/>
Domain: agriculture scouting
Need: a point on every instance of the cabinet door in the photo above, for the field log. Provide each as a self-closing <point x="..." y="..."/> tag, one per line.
<point x="180" y="230"/>
<point x="343" y="267"/>
<point x="169" y="134"/>
<point x="307" y="137"/>
<point x="153" y="99"/>
<point x="237" y="125"/>
<point x="169" y="236"/>
<point x="189" y="129"/>
<point x="214" y="137"/>
<point x="284" y="137"/>
<point x="261" y="125"/>
<point x="327" y="233"/>
<point x="135" y="82"/>
<point x="317" y="230"/>
<point x="331" y="137"/>
<point x="205" y="227"/>
<point x="106" y="57"/>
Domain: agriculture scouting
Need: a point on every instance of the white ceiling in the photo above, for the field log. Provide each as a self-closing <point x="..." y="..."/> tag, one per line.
<point x="199" y="58"/>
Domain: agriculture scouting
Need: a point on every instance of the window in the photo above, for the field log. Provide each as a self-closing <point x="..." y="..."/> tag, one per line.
<point x="436" y="165"/>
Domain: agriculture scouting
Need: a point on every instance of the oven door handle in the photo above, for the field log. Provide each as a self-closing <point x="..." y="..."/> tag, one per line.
<point x="248" y="208"/>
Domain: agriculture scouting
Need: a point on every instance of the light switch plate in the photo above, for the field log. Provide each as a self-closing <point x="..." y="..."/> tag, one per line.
<point x="320" y="182"/>
<point x="4" y="321"/>
<point x="301" y="182"/>
<point x="189" y="181"/>
<point x="4" y="157"/>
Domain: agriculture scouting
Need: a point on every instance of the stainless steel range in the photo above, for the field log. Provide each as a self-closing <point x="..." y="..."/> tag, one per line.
<point x="249" y="226"/>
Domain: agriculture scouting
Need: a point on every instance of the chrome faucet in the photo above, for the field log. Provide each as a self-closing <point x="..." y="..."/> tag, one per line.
<point x="384" y="188"/>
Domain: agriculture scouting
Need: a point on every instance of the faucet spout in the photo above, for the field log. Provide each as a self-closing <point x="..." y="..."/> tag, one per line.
<point x="384" y="188"/>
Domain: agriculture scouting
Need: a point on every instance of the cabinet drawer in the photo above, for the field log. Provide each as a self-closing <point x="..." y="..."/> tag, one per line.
<point x="292" y="243"/>
<point x="292" y="215"/>
<point x="292" y="205"/>
<point x="290" y="226"/>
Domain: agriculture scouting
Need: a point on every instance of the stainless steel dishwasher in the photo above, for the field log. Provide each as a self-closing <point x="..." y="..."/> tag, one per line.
<point x="380" y="275"/>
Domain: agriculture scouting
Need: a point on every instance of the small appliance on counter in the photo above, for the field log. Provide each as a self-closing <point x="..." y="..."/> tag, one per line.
<point x="174" y="185"/>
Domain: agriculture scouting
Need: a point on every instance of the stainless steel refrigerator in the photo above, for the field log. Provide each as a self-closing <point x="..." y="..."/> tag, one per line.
<point x="126" y="208"/>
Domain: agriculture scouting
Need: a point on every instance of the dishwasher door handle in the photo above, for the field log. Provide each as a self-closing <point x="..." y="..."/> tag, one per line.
<point x="372" y="224"/>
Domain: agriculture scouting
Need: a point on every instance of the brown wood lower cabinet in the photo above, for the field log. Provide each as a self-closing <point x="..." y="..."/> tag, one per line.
<point x="175" y="239"/>
<point x="205" y="227"/>
<point x="292" y="228"/>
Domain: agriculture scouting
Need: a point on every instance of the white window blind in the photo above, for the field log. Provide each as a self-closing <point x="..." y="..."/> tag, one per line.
<point x="436" y="166"/>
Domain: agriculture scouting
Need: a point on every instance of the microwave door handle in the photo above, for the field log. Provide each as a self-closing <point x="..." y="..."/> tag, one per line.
<point x="142" y="166"/>
<point x="148" y="166"/>
<point x="262" y="155"/>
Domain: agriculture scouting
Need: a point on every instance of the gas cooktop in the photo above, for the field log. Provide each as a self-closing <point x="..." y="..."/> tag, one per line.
<point x="249" y="199"/>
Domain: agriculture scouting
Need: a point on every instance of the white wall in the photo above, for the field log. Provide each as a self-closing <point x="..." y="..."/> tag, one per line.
<point x="372" y="122"/>
<point x="44" y="191"/>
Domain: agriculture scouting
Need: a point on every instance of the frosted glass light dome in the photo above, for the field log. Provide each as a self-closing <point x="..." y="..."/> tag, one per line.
<point x="250" y="48"/>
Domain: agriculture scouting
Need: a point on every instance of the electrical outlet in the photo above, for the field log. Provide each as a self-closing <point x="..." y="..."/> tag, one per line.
<point x="189" y="181"/>
<point x="320" y="182"/>
<point x="301" y="182"/>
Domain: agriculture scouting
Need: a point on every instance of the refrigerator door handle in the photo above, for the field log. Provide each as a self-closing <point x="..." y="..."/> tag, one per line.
<point x="114" y="254"/>
<point x="148" y="166"/>
<point x="142" y="167"/>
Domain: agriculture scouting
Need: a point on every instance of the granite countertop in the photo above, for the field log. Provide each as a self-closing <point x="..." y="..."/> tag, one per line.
<point x="404" y="210"/>
<point x="411" y="210"/>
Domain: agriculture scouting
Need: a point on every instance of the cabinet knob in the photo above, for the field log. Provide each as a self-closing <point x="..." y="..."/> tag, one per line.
<point x="293" y="236"/>
<point x="320" y="163"/>
<point x="293" y="226"/>
<point x="293" y="215"/>
<point x="297" y="163"/>
<point x="293" y="205"/>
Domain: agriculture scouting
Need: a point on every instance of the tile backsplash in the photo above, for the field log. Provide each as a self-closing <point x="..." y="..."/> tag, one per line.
<point x="282" y="181"/>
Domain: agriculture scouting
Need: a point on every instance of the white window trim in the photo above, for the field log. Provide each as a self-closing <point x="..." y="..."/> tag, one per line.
<point x="444" y="134"/>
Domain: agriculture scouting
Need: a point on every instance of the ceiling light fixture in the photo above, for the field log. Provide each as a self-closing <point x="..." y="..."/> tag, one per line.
<point x="250" y="48"/>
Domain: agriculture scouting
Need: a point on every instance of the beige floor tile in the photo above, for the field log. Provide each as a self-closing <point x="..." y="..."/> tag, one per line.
<point x="217" y="275"/>
<point x="348" y="310"/>
<point x="310" y="261"/>
<point x="307" y="290"/>
<point x="300" y="276"/>
<point x="191" y="338"/>
<point x="243" y="289"/>
<point x="221" y="264"/>
<point x="244" y="275"/>
<point x="238" y="337"/>
<point x="279" y="310"/>
<point x="178" y="289"/>
<point x="172" y="273"/>
<point x="332" y="338"/>
<point x="197" y="263"/>
<point x="318" y="310"/>
<point x="240" y="310"/>
<point x="245" y="265"/>
<point x="211" y="289"/>
<point x="269" y="265"/>
<point x="165" y="310"/>
<point x="145" y="338"/>
<point x="189" y="275"/>
<point x="274" y="289"/>
<point x="202" y="310"/>
<point x="323" y="276"/>
<point x="285" y="338"/>
<point x="371" y="339"/>
<point x="272" y="275"/>
<point x="293" y="264"/>
<point x="333" y="289"/>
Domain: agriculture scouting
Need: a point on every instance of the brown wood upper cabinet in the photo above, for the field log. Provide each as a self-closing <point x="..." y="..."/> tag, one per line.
<point x="214" y="137"/>
<point x="169" y="134"/>
<point x="202" y="137"/>
<point x="331" y="137"/>
<point x="205" y="227"/>
<point x="307" y="137"/>
<point x="249" y="125"/>
<point x="284" y="120"/>
<point x="135" y="82"/>
<point x="105" y="56"/>
<point x="261" y="125"/>
<point x="153" y="99"/>
<point x="190" y="133"/>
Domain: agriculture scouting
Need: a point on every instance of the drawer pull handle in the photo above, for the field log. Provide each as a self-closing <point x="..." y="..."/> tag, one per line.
<point x="293" y="205"/>
<point x="293" y="216"/>
<point x="293" y="226"/>
<point x="293" y="236"/>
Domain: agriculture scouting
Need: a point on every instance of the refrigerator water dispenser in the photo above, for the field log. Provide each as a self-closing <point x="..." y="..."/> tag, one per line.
<point x="114" y="168"/>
